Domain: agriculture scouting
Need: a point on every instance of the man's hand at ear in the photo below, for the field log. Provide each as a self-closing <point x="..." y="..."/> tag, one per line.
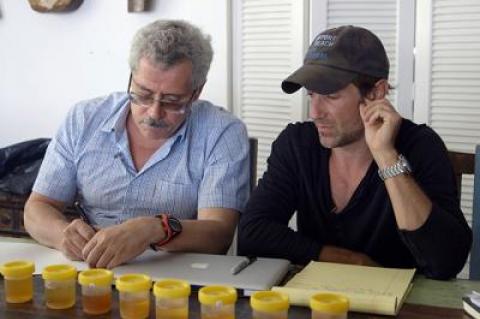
<point x="382" y="123"/>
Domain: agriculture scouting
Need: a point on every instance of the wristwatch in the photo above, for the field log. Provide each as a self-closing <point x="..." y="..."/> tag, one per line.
<point x="171" y="226"/>
<point x="402" y="166"/>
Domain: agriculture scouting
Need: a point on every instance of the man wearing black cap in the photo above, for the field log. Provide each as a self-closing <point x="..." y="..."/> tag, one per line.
<point x="369" y="187"/>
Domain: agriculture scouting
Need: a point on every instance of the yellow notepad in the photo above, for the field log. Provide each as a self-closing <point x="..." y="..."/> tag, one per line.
<point x="369" y="289"/>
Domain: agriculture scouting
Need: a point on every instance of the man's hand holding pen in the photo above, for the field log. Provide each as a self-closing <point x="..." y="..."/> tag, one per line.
<point x="76" y="235"/>
<point x="110" y="246"/>
<point x="114" y="245"/>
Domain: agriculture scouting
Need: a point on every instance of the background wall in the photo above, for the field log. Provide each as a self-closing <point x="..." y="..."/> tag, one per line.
<point x="49" y="61"/>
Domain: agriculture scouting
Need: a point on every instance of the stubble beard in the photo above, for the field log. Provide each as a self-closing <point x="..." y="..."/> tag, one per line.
<point x="342" y="139"/>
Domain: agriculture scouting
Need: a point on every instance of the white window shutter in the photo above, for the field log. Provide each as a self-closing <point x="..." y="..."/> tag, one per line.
<point x="453" y="101"/>
<point x="447" y="89"/>
<point x="269" y="42"/>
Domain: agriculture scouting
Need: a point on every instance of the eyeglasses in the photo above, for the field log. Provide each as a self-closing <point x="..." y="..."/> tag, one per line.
<point x="177" y="106"/>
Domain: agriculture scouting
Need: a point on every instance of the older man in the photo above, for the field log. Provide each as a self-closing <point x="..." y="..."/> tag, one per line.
<point x="153" y="166"/>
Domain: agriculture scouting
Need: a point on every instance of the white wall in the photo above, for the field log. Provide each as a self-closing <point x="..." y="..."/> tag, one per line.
<point x="49" y="61"/>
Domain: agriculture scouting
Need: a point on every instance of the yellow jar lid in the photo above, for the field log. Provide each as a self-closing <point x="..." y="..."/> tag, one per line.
<point x="97" y="277"/>
<point x="171" y="288"/>
<point x="133" y="283"/>
<point x="269" y="301"/>
<point x="210" y="295"/>
<point x="329" y="303"/>
<point x="17" y="269"/>
<point x="59" y="272"/>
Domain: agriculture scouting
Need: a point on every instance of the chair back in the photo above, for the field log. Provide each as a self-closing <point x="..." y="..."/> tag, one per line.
<point x="253" y="141"/>
<point x="466" y="163"/>
<point x="253" y="182"/>
<point x="475" y="252"/>
<point x="463" y="163"/>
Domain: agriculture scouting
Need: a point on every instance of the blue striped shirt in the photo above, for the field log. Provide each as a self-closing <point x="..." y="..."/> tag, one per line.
<point x="203" y="165"/>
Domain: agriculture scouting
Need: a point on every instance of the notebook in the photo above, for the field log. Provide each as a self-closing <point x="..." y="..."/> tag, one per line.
<point x="198" y="269"/>
<point x="369" y="289"/>
<point x="471" y="304"/>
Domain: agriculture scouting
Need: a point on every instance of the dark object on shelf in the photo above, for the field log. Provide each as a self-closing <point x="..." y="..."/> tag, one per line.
<point x="19" y="165"/>
<point x="11" y="215"/>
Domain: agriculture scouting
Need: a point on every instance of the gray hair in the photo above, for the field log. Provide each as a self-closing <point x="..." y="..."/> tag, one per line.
<point x="169" y="42"/>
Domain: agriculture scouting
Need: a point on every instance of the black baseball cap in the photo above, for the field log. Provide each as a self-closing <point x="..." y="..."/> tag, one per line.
<point x="335" y="57"/>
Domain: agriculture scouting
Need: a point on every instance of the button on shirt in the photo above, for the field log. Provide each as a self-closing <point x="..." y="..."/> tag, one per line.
<point x="203" y="165"/>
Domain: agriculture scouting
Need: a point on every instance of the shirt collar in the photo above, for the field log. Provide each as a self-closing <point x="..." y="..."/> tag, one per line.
<point x="116" y="120"/>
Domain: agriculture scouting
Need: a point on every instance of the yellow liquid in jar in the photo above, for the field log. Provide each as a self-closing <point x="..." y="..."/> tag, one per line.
<point x="97" y="304"/>
<point x="172" y="313"/>
<point x="62" y="297"/>
<point x="134" y="309"/>
<point x="18" y="290"/>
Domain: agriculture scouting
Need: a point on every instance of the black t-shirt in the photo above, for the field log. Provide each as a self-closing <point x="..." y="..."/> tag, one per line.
<point x="297" y="179"/>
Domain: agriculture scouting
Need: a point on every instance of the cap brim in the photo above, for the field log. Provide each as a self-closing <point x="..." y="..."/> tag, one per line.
<point x="317" y="78"/>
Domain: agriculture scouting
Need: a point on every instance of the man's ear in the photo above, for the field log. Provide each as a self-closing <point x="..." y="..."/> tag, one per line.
<point x="198" y="91"/>
<point x="380" y="89"/>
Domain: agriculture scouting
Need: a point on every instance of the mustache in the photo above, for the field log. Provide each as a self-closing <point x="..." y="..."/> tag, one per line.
<point x="154" y="123"/>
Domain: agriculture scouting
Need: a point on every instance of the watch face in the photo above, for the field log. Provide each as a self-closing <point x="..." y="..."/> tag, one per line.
<point x="174" y="224"/>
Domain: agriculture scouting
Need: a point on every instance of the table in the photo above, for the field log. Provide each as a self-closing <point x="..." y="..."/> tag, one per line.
<point x="36" y="309"/>
<point x="428" y="299"/>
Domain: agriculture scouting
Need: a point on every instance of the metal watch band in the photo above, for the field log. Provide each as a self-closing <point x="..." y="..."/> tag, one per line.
<point x="400" y="167"/>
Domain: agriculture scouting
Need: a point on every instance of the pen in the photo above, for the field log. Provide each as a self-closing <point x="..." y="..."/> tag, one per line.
<point x="244" y="263"/>
<point x="82" y="213"/>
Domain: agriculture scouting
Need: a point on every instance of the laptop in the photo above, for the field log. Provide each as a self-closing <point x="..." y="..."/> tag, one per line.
<point x="205" y="269"/>
<point x="197" y="269"/>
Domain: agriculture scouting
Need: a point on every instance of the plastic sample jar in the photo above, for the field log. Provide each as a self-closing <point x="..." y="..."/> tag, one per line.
<point x="134" y="291"/>
<point x="96" y="290"/>
<point x="18" y="280"/>
<point x="217" y="302"/>
<point x="59" y="286"/>
<point x="269" y="305"/>
<point x="171" y="298"/>
<point x="329" y="306"/>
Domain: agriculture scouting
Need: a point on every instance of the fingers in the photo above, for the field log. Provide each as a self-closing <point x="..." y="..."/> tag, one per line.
<point x="71" y="251"/>
<point x="75" y="237"/>
<point x="104" y="247"/>
<point x="87" y="251"/>
<point x="114" y="245"/>
<point x="377" y="111"/>
<point x="345" y="256"/>
<point x="86" y="231"/>
<point x="100" y="256"/>
<point x="114" y="262"/>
